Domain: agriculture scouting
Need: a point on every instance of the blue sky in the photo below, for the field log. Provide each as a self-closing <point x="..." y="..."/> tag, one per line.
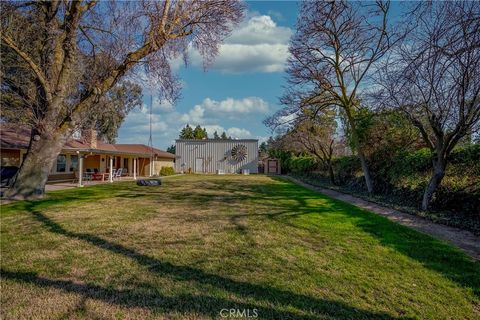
<point x="237" y="92"/>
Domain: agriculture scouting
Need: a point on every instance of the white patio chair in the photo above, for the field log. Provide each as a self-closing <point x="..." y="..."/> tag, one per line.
<point x="117" y="174"/>
<point x="87" y="176"/>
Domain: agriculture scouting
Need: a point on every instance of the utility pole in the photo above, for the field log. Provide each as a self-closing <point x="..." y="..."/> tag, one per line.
<point x="150" y="140"/>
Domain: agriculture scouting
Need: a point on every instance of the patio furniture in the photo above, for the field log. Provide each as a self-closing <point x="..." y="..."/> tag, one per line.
<point x="118" y="173"/>
<point x="87" y="176"/>
<point x="100" y="176"/>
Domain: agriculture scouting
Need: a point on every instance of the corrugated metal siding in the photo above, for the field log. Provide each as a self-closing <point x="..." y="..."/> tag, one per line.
<point x="216" y="155"/>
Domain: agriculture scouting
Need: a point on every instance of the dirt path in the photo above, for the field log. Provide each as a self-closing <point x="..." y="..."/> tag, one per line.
<point x="465" y="240"/>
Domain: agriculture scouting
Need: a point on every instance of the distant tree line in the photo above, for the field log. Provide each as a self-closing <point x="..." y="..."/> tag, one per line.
<point x="199" y="133"/>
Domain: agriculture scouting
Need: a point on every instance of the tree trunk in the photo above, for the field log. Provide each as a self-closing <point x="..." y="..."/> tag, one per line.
<point x="331" y="173"/>
<point x="439" y="167"/>
<point x="363" y="160"/>
<point x="33" y="174"/>
<point x="366" y="171"/>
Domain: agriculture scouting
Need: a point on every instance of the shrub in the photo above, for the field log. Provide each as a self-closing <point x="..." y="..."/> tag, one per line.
<point x="346" y="167"/>
<point x="300" y="164"/>
<point x="166" y="171"/>
<point x="404" y="174"/>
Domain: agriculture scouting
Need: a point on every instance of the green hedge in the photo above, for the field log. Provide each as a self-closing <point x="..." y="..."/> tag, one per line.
<point x="403" y="175"/>
<point x="167" y="171"/>
<point x="299" y="164"/>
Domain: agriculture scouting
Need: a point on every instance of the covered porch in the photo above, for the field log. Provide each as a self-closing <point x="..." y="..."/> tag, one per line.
<point x="109" y="166"/>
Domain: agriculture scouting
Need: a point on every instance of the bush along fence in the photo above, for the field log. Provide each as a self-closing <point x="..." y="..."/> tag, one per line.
<point x="400" y="180"/>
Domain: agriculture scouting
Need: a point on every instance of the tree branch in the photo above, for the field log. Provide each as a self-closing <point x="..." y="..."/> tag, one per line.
<point x="33" y="66"/>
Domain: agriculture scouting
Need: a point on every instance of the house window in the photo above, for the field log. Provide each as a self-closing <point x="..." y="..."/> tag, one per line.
<point x="73" y="163"/>
<point x="61" y="163"/>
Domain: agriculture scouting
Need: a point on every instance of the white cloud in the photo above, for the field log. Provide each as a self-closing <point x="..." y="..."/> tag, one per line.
<point x="136" y="127"/>
<point x="211" y="110"/>
<point x="242" y="58"/>
<point x="259" y="29"/>
<point x="194" y="116"/>
<point x="230" y="105"/>
<point x="236" y="133"/>
<point x="162" y="105"/>
<point x="258" y="44"/>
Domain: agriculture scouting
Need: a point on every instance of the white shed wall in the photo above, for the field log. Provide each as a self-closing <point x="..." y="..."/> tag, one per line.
<point x="216" y="155"/>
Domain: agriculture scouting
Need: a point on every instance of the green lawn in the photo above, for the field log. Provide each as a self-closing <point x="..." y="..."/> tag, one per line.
<point x="200" y="244"/>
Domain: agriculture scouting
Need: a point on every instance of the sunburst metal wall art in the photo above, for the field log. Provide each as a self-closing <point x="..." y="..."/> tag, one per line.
<point x="239" y="152"/>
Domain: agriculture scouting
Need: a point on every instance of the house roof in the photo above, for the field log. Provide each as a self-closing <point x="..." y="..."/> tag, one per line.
<point x="18" y="137"/>
<point x="143" y="149"/>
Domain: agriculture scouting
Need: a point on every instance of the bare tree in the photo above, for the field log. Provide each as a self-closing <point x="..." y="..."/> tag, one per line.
<point x="317" y="136"/>
<point x="76" y="51"/>
<point x="333" y="52"/>
<point x="434" y="79"/>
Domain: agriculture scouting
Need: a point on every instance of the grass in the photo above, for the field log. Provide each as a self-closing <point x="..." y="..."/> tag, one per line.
<point x="397" y="198"/>
<point x="200" y="244"/>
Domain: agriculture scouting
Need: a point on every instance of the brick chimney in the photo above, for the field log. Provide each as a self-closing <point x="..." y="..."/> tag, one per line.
<point x="90" y="138"/>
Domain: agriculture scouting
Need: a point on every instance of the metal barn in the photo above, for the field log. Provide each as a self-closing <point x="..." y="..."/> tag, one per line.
<point x="216" y="156"/>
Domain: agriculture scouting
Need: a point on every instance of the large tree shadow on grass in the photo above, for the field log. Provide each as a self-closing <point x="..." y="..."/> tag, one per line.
<point x="433" y="254"/>
<point x="430" y="252"/>
<point x="189" y="303"/>
<point x="277" y="300"/>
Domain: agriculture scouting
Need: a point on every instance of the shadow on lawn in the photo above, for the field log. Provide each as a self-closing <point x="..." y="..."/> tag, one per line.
<point x="284" y="201"/>
<point x="432" y="253"/>
<point x="275" y="299"/>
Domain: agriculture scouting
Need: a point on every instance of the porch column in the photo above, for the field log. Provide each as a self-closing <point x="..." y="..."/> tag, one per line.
<point x="134" y="168"/>
<point x="80" y="170"/>
<point x="150" y="167"/>
<point x="153" y="166"/>
<point x="110" y="173"/>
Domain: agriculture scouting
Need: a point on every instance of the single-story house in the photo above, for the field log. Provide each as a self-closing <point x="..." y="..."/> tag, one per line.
<point x="95" y="154"/>
<point x="216" y="155"/>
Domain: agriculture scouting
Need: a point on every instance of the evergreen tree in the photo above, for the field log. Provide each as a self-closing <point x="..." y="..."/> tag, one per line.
<point x="224" y="136"/>
<point x="171" y="149"/>
<point x="205" y="134"/>
<point x="263" y="147"/>
<point x="215" y="135"/>
<point x="198" y="133"/>
<point x="186" y="133"/>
